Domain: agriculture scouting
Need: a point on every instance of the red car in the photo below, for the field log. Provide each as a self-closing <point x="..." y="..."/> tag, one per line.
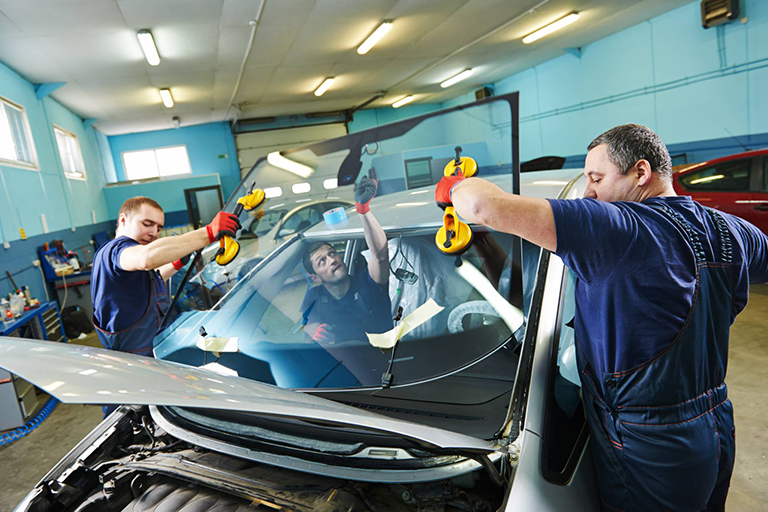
<point x="736" y="184"/>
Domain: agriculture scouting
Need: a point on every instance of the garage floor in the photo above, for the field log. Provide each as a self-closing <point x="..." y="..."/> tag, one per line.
<point x="27" y="460"/>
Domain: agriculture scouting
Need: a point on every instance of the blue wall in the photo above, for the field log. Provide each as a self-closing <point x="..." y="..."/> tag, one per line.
<point x="68" y="205"/>
<point x="685" y="82"/>
<point x="206" y="145"/>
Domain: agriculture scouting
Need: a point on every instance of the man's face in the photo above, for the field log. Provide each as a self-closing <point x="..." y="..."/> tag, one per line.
<point x="328" y="265"/>
<point x="605" y="181"/>
<point x="142" y="225"/>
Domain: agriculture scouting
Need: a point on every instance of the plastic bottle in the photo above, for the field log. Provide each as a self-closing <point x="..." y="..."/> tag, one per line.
<point x="17" y="304"/>
<point x="27" y="295"/>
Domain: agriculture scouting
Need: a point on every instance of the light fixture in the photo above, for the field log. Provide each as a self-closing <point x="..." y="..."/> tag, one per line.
<point x="165" y="95"/>
<point x="402" y="101"/>
<point x="276" y="206"/>
<point x="411" y="204"/>
<point x="557" y="25"/>
<point x="374" y="38"/>
<point x="458" y="78"/>
<point x="331" y="183"/>
<point x="324" y="86"/>
<point x="279" y="161"/>
<point x="301" y="188"/>
<point x="147" y="43"/>
<point x="176" y="122"/>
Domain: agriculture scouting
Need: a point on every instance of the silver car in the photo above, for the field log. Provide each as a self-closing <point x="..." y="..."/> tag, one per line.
<point x="475" y="406"/>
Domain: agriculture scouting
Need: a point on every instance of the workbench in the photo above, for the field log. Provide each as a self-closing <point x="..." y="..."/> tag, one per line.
<point x="20" y="400"/>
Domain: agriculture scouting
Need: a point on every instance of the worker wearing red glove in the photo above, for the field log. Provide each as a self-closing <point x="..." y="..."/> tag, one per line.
<point x="129" y="273"/>
<point x="445" y="187"/>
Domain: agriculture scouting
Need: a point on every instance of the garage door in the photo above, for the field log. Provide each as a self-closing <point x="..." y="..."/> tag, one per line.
<point x="254" y="145"/>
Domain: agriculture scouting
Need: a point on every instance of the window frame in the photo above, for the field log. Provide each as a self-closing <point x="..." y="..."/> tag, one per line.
<point x="154" y="151"/>
<point x="68" y="133"/>
<point x="715" y="167"/>
<point x="35" y="164"/>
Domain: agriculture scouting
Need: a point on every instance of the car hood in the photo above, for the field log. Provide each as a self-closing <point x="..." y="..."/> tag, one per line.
<point x="86" y="375"/>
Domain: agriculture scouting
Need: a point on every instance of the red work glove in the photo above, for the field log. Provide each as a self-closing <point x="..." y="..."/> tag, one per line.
<point x="223" y="224"/>
<point x="179" y="264"/>
<point x="365" y="190"/>
<point x="444" y="188"/>
<point x="324" y="332"/>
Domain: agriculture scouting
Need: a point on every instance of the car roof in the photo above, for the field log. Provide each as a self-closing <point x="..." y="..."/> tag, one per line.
<point x="737" y="156"/>
<point x="417" y="208"/>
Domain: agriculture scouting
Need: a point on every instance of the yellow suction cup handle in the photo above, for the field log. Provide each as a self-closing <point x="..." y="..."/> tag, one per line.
<point x="228" y="250"/>
<point x="468" y="167"/>
<point x="252" y="200"/>
<point x="455" y="236"/>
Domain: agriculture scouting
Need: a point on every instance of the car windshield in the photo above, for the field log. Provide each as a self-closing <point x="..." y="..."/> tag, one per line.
<point x="274" y="321"/>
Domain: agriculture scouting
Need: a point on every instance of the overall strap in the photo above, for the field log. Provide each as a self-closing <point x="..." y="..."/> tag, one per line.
<point x="688" y="231"/>
<point x="726" y="247"/>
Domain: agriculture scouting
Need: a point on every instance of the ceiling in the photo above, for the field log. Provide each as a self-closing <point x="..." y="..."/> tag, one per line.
<point x="92" y="46"/>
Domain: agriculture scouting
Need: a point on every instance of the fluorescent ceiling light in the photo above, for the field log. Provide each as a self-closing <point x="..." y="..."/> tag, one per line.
<point x="147" y="43"/>
<point x="276" y="206"/>
<point x="302" y="200"/>
<point x="331" y="183"/>
<point x="399" y="103"/>
<point x="301" y="188"/>
<point x="421" y="192"/>
<point x="545" y="182"/>
<point x="165" y="95"/>
<point x="557" y="25"/>
<point x="273" y="192"/>
<point x="708" y="178"/>
<point x="411" y="204"/>
<point x="374" y="38"/>
<point x="458" y="78"/>
<point x="324" y="86"/>
<point x="279" y="161"/>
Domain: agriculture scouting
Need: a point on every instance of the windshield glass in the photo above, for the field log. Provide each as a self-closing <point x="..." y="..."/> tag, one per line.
<point x="320" y="310"/>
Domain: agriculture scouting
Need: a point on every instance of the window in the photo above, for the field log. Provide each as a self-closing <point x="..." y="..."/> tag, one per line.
<point x="418" y="172"/>
<point x="16" y="145"/>
<point x="156" y="163"/>
<point x="273" y="192"/>
<point x="69" y="151"/>
<point x="726" y="177"/>
<point x="301" y="188"/>
<point x="565" y="430"/>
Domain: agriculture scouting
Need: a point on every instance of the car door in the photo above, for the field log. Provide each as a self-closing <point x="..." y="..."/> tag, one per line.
<point x="726" y="186"/>
<point x="759" y="202"/>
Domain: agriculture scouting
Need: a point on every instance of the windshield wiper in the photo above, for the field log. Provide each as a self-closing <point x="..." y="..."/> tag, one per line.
<point x="387" y="377"/>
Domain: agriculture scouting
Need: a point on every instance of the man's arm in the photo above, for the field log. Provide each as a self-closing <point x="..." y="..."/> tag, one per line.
<point x="378" y="264"/>
<point x="481" y="202"/>
<point x="167" y="270"/>
<point x="166" y="250"/>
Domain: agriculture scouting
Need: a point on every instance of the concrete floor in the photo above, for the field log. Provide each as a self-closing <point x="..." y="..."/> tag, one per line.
<point x="27" y="460"/>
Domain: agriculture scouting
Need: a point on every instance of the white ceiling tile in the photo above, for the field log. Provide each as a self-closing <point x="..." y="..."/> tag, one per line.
<point x="150" y="14"/>
<point x="33" y="63"/>
<point x="324" y="43"/>
<point x="336" y="11"/>
<point x="272" y="44"/>
<point x="47" y="18"/>
<point x="233" y="42"/>
<point x="7" y="27"/>
<point x="287" y="11"/>
<point x="185" y="49"/>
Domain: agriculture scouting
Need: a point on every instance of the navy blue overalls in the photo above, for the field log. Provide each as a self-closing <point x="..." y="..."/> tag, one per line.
<point x="139" y="338"/>
<point x="662" y="432"/>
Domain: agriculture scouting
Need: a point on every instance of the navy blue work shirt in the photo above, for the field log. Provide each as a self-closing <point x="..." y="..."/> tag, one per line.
<point x="364" y="308"/>
<point x="120" y="297"/>
<point x="635" y="273"/>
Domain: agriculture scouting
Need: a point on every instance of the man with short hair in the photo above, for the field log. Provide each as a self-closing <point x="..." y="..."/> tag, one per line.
<point x="129" y="273"/>
<point x="344" y="307"/>
<point x="659" y="280"/>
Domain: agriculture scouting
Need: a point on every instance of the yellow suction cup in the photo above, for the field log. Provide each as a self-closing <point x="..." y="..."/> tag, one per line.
<point x="463" y="164"/>
<point x="229" y="248"/>
<point x="455" y="236"/>
<point x="252" y="200"/>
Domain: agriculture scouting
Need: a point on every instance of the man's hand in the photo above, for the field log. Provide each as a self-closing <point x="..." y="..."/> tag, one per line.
<point x="223" y="224"/>
<point x="444" y="188"/>
<point x="365" y="190"/>
<point x="179" y="264"/>
<point x="323" y="333"/>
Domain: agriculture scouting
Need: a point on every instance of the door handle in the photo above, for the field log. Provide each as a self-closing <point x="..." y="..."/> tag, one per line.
<point x="762" y="207"/>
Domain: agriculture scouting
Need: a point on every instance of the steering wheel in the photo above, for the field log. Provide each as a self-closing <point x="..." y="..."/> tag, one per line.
<point x="481" y="308"/>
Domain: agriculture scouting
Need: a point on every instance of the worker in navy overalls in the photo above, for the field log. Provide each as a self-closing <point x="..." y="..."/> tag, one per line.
<point x="659" y="281"/>
<point x="129" y="274"/>
<point x="343" y="307"/>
